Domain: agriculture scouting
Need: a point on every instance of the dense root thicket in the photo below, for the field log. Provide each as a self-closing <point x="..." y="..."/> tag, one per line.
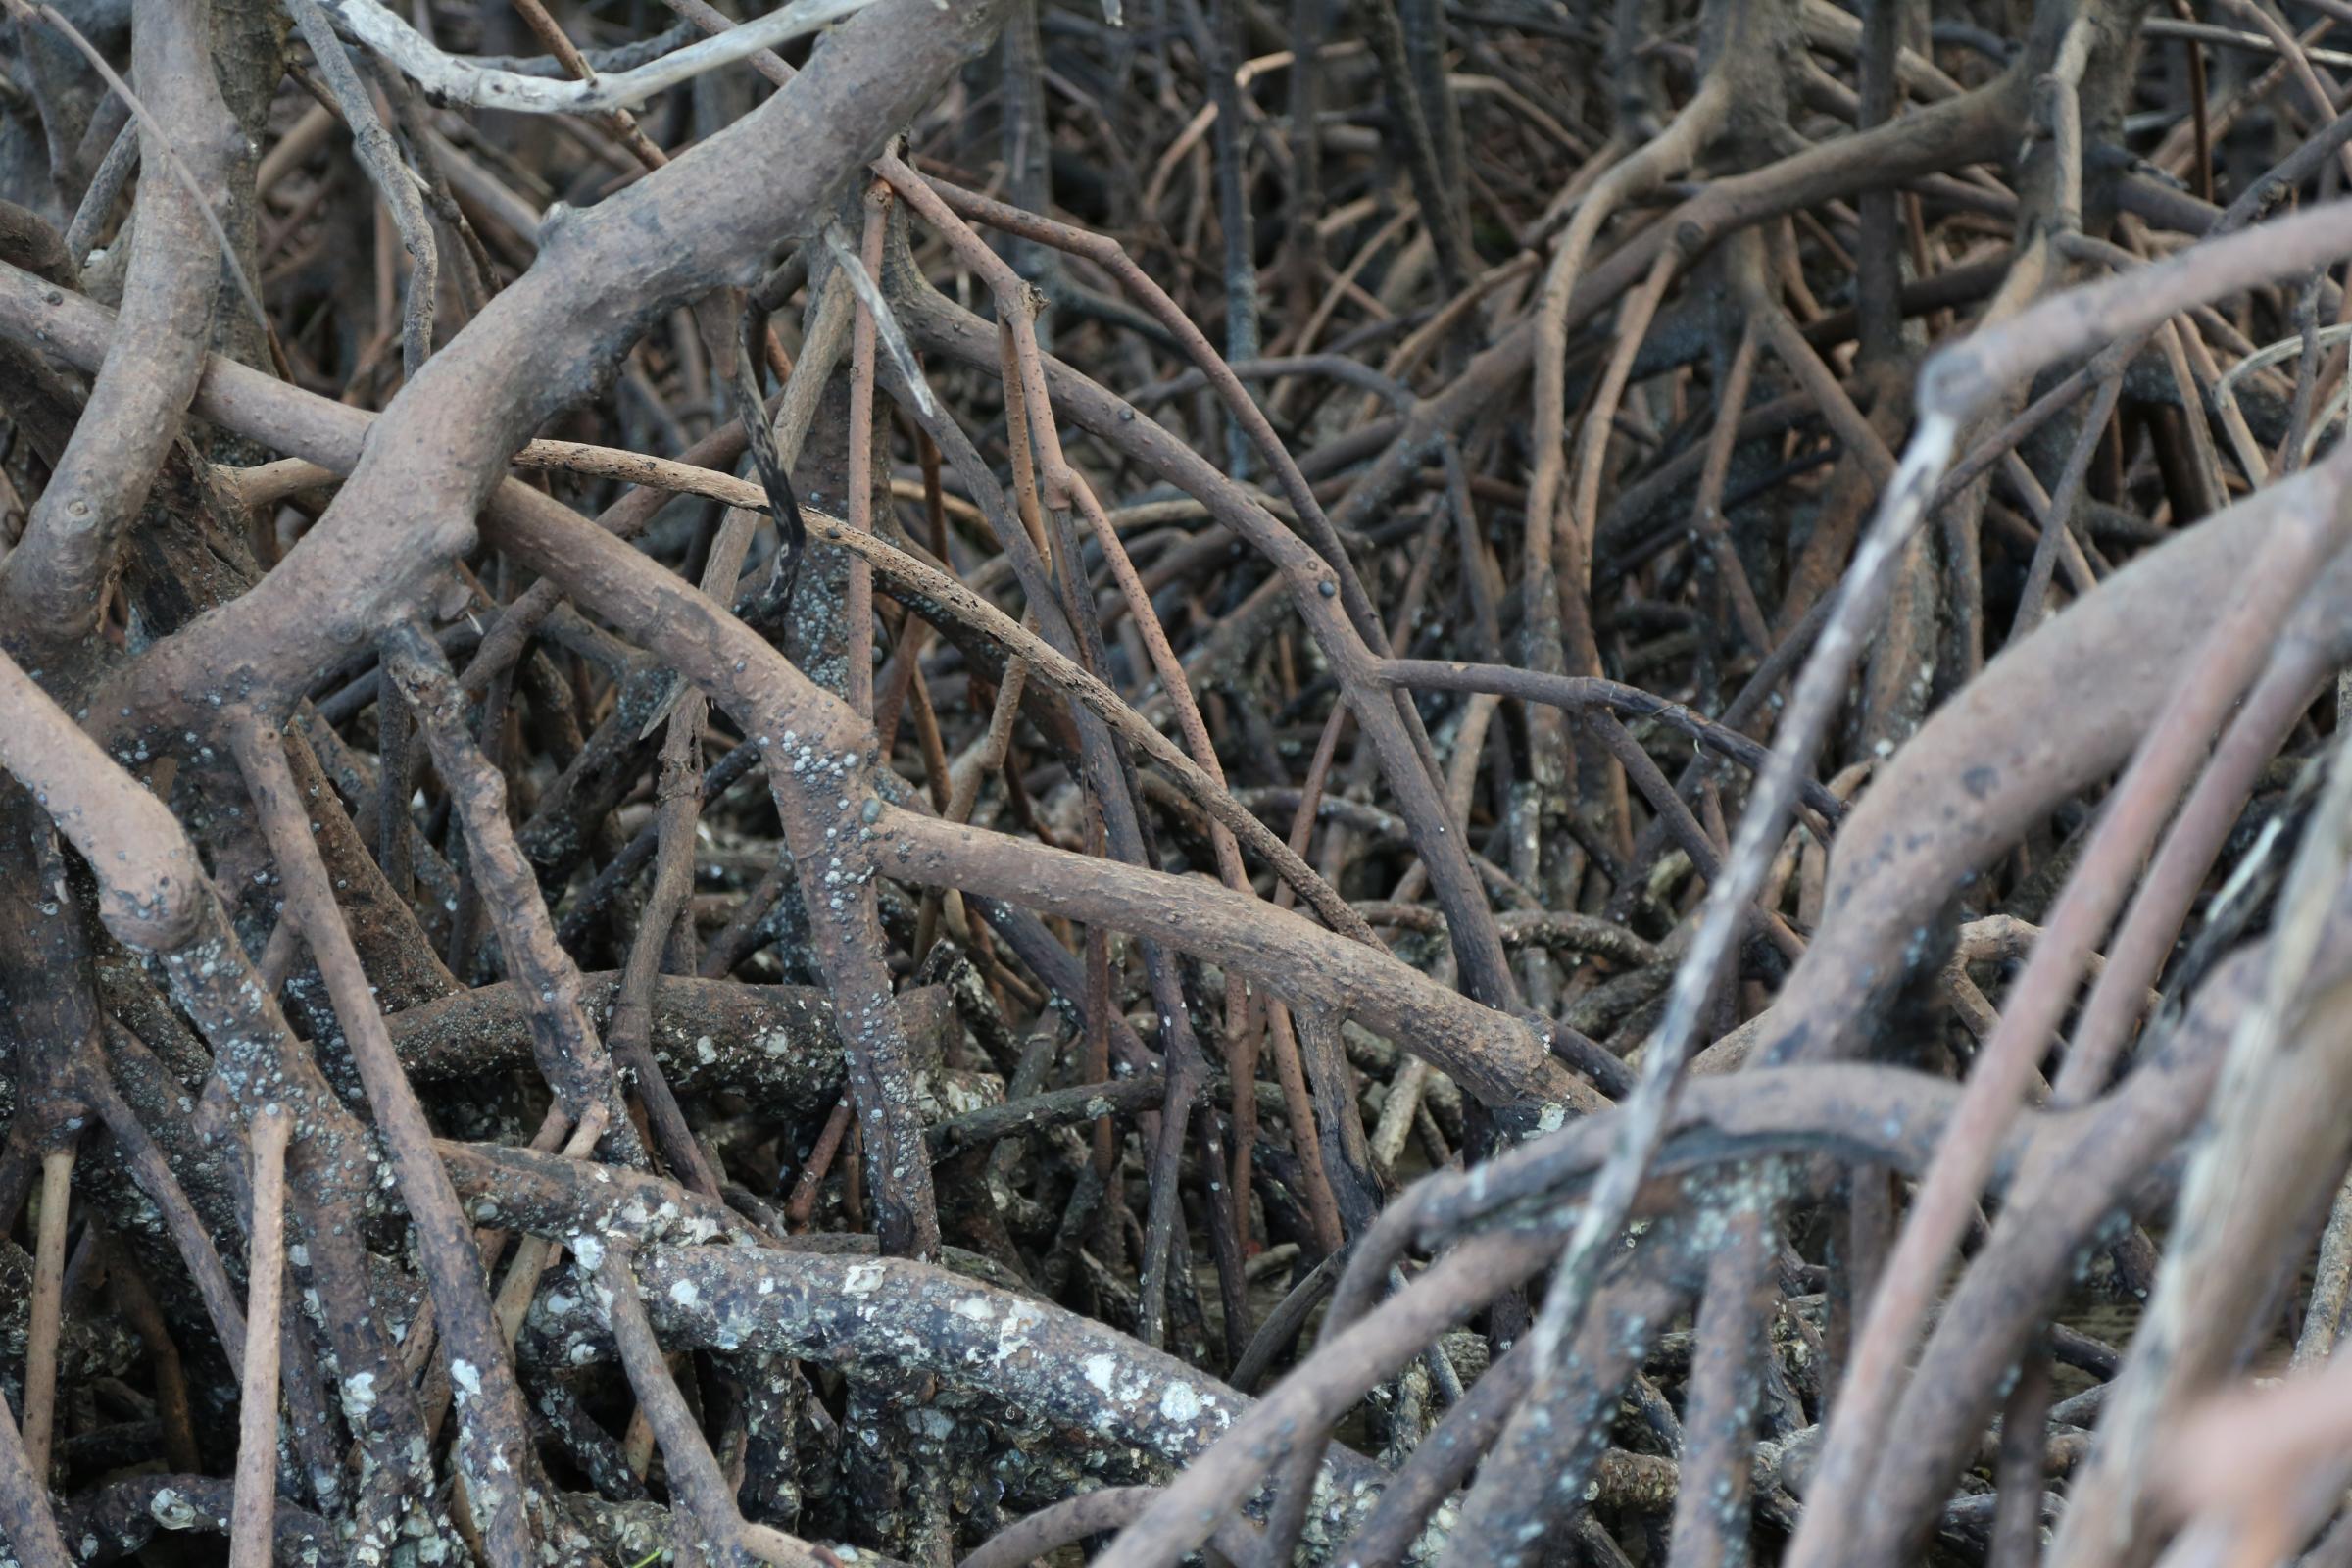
<point x="963" y="781"/>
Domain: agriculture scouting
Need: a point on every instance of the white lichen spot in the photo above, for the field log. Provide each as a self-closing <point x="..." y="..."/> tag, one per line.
<point x="1180" y="1401"/>
<point x="1101" y="1369"/>
<point x="467" y="1377"/>
<point x="1012" y="1334"/>
<point x="685" y="1293"/>
<point x="862" y="1279"/>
